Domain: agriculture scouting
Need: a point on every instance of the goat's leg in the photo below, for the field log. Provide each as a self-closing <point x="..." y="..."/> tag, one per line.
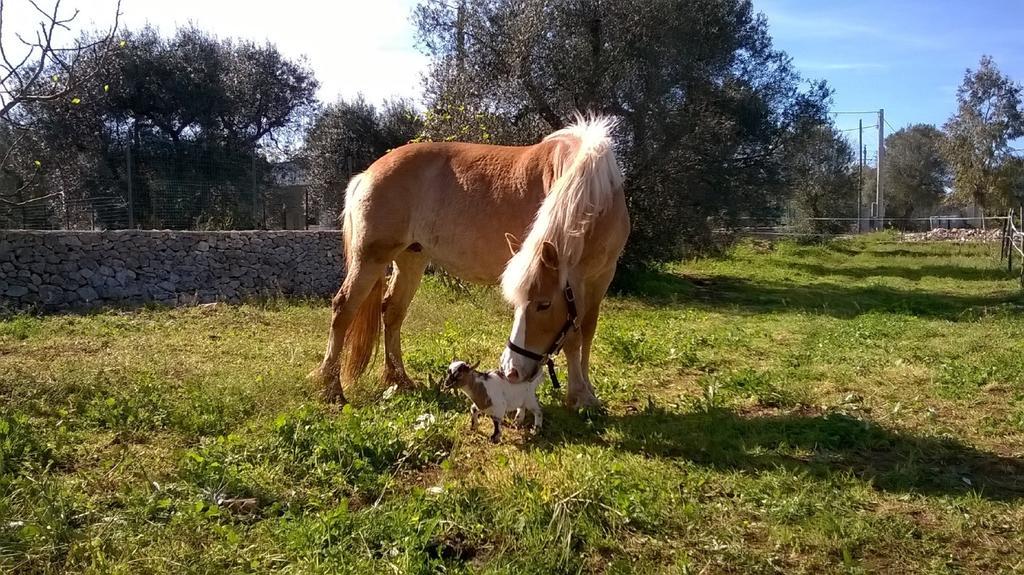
<point x="474" y="418"/>
<point x="496" y="436"/>
<point x="520" y="417"/>
<point x="538" y="415"/>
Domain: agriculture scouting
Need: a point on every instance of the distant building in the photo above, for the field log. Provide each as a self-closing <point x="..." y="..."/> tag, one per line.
<point x="969" y="216"/>
<point x="287" y="198"/>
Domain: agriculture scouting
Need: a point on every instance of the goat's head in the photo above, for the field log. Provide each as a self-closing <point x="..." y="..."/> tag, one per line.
<point x="459" y="375"/>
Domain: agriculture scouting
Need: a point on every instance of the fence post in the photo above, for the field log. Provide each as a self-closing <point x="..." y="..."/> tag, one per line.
<point x="253" y="171"/>
<point x="1006" y="230"/>
<point x="131" y="203"/>
<point x="1009" y="255"/>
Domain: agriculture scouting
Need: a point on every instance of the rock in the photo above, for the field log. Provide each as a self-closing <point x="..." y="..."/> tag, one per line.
<point x="51" y="295"/>
<point x="16" y="291"/>
<point x="954" y="234"/>
<point x="87" y="293"/>
<point x="125" y="276"/>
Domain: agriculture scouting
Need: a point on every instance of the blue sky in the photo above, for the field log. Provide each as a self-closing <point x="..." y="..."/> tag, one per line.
<point x="907" y="56"/>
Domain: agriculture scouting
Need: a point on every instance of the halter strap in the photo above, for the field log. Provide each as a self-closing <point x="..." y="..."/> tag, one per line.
<point x="571" y="324"/>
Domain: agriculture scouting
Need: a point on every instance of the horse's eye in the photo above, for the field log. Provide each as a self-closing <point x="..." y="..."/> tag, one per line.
<point x="543" y="305"/>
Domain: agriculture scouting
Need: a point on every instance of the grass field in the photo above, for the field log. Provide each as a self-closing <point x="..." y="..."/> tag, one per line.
<point x="852" y="407"/>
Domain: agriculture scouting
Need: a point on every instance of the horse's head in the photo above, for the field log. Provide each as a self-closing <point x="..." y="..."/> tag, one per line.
<point x="543" y="316"/>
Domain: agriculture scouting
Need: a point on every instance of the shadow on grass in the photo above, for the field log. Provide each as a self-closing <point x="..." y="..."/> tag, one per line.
<point x="953" y="272"/>
<point x="890" y="460"/>
<point x="836" y="300"/>
<point x="905" y="253"/>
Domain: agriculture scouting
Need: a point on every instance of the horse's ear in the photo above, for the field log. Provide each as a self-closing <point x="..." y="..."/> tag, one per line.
<point x="549" y="255"/>
<point x="513" y="243"/>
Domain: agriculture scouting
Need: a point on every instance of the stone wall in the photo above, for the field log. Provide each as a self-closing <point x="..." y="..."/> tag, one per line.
<point x="60" y="270"/>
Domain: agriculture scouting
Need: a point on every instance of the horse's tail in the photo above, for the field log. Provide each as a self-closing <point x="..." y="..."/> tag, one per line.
<point x="363" y="334"/>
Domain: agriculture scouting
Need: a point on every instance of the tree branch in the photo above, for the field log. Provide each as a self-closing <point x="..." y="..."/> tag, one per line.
<point x="30" y="201"/>
<point x="26" y="81"/>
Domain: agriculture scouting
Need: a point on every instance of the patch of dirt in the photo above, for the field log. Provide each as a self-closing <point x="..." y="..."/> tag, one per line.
<point x="761" y="410"/>
<point x="451" y="546"/>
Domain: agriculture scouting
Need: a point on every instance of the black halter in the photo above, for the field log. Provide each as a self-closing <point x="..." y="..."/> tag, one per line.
<point x="571" y="324"/>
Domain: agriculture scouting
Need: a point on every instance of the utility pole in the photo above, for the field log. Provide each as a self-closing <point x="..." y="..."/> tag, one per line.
<point x="879" y="192"/>
<point x="860" y="168"/>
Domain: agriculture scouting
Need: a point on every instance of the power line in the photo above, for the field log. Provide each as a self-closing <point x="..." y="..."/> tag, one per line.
<point x="890" y="126"/>
<point x="855" y="129"/>
<point x="854" y="113"/>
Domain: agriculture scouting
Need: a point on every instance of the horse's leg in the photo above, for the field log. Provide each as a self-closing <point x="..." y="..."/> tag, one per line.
<point x="579" y="394"/>
<point x="588" y="329"/>
<point x="358" y="282"/>
<point x="405" y="279"/>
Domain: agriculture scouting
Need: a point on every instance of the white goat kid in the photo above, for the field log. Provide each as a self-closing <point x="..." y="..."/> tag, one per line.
<point x="495" y="396"/>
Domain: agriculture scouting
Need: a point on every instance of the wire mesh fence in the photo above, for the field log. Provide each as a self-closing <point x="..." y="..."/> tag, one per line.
<point x="166" y="191"/>
<point x="198" y="187"/>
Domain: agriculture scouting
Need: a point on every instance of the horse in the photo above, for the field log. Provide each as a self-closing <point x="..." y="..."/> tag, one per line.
<point x="463" y="207"/>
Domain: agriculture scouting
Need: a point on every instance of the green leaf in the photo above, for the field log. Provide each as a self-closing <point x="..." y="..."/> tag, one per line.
<point x="38" y="163"/>
<point x="76" y="101"/>
<point x="106" y="87"/>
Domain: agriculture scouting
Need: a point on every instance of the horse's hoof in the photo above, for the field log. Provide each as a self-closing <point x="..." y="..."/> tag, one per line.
<point x="335" y="396"/>
<point x="585" y="400"/>
<point x="400" y="380"/>
<point x="332" y="392"/>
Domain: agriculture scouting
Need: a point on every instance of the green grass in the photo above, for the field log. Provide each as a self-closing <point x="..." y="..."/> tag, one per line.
<point x="850" y="407"/>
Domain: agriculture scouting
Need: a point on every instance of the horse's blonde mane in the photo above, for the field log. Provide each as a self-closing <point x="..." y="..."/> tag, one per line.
<point x="586" y="176"/>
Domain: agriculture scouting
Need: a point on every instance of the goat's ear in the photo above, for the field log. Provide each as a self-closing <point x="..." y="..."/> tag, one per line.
<point x="513" y="243"/>
<point x="475" y="365"/>
<point x="549" y="255"/>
